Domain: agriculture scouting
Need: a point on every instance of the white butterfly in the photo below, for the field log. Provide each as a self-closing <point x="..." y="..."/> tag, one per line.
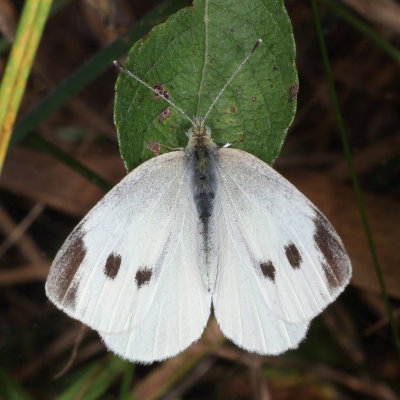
<point x="194" y="228"/>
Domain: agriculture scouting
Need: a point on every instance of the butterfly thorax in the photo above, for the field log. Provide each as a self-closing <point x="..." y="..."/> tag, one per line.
<point x="201" y="154"/>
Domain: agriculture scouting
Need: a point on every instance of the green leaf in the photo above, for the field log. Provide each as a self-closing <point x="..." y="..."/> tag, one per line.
<point x="192" y="55"/>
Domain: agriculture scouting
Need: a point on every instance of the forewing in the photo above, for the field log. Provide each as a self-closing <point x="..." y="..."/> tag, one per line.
<point x="287" y="253"/>
<point x="114" y="266"/>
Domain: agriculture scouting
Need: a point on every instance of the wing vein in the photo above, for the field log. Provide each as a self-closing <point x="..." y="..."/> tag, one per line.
<point x="317" y="271"/>
<point x="283" y="269"/>
<point x="154" y="208"/>
<point x="170" y="221"/>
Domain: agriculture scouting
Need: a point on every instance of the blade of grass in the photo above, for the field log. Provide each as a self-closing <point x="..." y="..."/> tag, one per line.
<point x="93" y="382"/>
<point x="29" y="33"/>
<point x="80" y="380"/>
<point x="127" y="381"/>
<point x="364" y="28"/>
<point x="353" y="175"/>
<point x="89" y="71"/>
<point x="9" y="390"/>
<point x="105" y="379"/>
<point x="66" y="159"/>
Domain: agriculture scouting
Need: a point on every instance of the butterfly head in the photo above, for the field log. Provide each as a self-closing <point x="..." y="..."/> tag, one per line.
<point x="199" y="134"/>
<point x="198" y="130"/>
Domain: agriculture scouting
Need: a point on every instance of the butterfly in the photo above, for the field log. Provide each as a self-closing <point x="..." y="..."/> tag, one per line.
<point x="194" y="229"/>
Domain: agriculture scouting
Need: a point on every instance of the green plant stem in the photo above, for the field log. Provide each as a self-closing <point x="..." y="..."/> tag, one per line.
<point x="127" y="378"/>
<point x="364" y="28"/>
<point x="353" y="175"/>
<point x="66" y="159"/>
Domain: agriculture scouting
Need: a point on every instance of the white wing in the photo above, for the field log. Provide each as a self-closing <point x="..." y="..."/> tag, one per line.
<point x="124" y="269"/>
<point x="241" y="305"/>
<point x="285" y="259"/>
<point x="178" y="316"/>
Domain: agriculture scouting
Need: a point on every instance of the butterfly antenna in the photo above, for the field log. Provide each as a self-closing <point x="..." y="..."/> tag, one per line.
<point x="157" y="92"/>
<point x="255" y="47"/>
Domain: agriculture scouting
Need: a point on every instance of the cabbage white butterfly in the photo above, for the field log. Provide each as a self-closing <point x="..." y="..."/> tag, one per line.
<point x="194" y="228"/>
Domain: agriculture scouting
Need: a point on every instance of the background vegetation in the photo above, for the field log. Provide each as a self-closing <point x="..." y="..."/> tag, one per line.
<point x="64" y="154"/>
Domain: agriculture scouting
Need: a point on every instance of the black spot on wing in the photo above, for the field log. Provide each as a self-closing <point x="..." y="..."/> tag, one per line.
<point x="268" y="270"/>
<point x="293" y="255"/>
<point x="113" y="263"/>
<point x="143" y="276"/>
<point x="331" y="278"/>
<point x="69" y="263"/>
<point x="336" y="266"/>
<point x="70" y="295"/>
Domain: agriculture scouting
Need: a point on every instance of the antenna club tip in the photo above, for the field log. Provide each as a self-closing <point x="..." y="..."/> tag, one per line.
<point x="117" y="63"/>
<point x="257" y="45"/>
<point x="120" y="66"/>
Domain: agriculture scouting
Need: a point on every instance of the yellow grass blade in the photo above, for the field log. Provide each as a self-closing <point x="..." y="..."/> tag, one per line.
<point x="29" y="32"/>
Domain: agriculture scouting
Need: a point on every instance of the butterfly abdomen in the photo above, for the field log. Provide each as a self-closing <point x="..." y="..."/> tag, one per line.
<point x="201" y="157"/>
